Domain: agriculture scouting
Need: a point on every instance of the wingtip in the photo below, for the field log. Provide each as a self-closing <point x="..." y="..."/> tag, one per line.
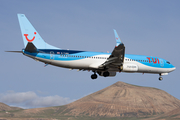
<point x="19" y="14"/>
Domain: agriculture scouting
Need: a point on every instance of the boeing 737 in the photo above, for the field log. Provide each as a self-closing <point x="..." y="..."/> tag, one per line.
<point x="103" y="64"/>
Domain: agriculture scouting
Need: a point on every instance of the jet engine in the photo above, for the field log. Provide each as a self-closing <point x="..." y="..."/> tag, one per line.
<point x="107" y="74"/>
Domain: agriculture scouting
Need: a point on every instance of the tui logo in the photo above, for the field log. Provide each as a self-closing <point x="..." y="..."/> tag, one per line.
<point x="28" y="38"/>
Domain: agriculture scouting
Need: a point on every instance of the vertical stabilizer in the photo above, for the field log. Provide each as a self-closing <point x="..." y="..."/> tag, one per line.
<point x="30" y="35"/>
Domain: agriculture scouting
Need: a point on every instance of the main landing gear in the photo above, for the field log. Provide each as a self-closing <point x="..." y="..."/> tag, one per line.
<point x="94" y="76"/>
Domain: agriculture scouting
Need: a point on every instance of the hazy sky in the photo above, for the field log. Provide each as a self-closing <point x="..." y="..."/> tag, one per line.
<point x="146" y="27"/>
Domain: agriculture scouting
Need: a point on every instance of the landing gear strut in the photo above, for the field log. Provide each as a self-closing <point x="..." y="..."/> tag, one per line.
<point x="160" y="78"/>
<point x="94" y="76"/>
<point x="120" y="68"/>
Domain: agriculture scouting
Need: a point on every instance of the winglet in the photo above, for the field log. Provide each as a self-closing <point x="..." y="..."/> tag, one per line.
<point x="118" y="40"/>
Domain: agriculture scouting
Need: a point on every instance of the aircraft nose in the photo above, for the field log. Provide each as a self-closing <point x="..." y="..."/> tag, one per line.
<point x="174" y="68"/>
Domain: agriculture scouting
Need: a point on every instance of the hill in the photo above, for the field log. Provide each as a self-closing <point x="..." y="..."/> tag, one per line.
<point x="120" y="100"/>
<point x="4" y="107"/>
<point x="172" y="115"/>
<point x="124" y="100"/>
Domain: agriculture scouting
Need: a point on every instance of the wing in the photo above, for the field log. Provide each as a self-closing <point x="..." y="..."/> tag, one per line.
<point x="116" y="58"/>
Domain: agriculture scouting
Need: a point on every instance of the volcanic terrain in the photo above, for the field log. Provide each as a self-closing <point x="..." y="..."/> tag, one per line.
<point x="124" y="100"/>
<point x="120" y="100"/>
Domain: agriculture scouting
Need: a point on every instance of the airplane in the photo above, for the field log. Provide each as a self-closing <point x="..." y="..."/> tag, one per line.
<point x="103" y="64"/>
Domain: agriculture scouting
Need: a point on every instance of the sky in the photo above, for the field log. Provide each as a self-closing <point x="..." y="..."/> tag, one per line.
<point x="146" y="27"/>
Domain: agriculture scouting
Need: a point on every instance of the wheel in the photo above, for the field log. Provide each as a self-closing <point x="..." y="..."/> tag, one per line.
<point x="121" y="68"/>
<point x="93" y="76"/>
<point x="105" y="74"/>
<point x="160" y="78"/>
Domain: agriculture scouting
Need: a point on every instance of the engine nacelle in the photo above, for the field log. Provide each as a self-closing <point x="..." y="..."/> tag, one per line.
<point x="130" y="68"/>
<point x="107" y="74"/>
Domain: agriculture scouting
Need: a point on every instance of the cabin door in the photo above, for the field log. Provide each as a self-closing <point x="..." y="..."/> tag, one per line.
<point x="51" y="55"/>
<point x="161" y="63"/>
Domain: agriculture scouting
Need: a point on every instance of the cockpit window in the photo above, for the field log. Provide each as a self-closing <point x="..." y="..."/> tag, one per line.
<point x="168" y="62"/>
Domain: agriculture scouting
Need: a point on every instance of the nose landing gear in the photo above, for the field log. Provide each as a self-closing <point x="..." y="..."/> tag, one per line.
<point x="160" y="78"/>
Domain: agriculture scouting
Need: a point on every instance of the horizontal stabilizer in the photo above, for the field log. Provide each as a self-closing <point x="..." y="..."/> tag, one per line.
<point x="15" y="51"/>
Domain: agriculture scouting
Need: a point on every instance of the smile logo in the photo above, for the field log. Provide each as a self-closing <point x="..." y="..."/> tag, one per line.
<point x="28" y="38"/>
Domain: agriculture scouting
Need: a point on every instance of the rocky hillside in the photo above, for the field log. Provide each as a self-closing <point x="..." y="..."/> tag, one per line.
<point x="4" y="107"/>
<point x="124" y="100"/>
<point x="118" y="101"/>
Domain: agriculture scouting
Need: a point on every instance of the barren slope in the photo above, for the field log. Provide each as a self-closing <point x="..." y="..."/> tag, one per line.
<point x="174" y="114"/>
<point x="118" y="101"/>
<point x="4" y="107"/>
<point x="125" y="100"/>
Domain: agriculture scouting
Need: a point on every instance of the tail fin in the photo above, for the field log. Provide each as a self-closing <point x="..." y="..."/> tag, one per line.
<point x="30" y="35"/>
<point x="118" y="40"/>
